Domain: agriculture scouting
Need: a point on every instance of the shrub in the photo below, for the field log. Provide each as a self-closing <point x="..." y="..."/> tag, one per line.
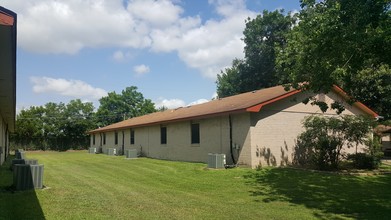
<point x="365" y="161"/>
<point x="320" y="145"/>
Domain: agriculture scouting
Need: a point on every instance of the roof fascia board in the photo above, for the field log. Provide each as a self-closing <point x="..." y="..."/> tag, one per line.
<point x="5" y="18"/>
<point x="257" y="108"/>
<point x="359" y="105"/>
<point x="99" y="130"/>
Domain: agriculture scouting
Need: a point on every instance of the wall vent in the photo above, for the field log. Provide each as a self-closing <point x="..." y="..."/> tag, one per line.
<point x="216" y="161"/>
<point x="131" y="153"/>
<point x="92" y="150"/>
<point x="27" y="176"/>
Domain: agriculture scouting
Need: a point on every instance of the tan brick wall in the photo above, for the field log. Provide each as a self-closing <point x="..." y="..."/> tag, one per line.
<point x="265" y="138"/>
<point x="276" y="127"/>
<point x="241" y="138"/>
<point x="110" y="141"/>
<point x="179" y="146"/>
<point x="214" y="138"/>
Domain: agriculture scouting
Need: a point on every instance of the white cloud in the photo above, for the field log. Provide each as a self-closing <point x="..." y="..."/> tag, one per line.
<point x="170" y="103"/>
<point x="121" y="56"/>
<point x="199" y="101"/>
<point x="228" y="7"/>
<point x="176" y="103"/>
<point x="211" y="46"/>
<point x="141" y="69"/>
<point x="67" y="26"/>
<point x="118" y="55"/>
<point x="70" y="88"/>
<point x="61" y="26"/>
<point x="156" y="13"/>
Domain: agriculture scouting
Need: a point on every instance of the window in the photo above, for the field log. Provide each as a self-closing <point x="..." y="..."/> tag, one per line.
<point x="163" y="135"/>
<point x="195" y="133"/>
<point x="93" y="139"/>
<point x="116" y="138"/>
<point x="131" y="136"/>
<point x="104" y="138"/>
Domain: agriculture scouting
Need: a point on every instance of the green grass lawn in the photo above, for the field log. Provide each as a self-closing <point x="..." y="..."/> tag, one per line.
<point x="87" y="186"/>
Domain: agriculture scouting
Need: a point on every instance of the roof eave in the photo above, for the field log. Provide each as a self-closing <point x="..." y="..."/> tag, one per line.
<point x="8" y="21"/>
<point x="99" y="130"/>
<point x="6" y="18"/>
<point x="359" y="105"/>
<point x="257" y="108"/>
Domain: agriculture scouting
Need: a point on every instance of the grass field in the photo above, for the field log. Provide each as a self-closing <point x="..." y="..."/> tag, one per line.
<point x="87" y="186"/>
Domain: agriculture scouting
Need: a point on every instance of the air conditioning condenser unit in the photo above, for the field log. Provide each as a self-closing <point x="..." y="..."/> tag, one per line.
<point x="130" y="153"/>
<point x="111" y="151"/>
<point x="92" y="150"/>
<point x="216" y="161"/>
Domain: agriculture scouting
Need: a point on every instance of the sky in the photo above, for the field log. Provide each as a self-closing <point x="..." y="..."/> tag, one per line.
<point x="171" y="50"/>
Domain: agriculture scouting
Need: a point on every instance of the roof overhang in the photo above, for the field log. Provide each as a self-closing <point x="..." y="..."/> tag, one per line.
<point x="167" y="121"/>
<point x="254" y="108"/>
<point x="257" y="108"/>
<point x="8" y="67"/>
<point x="359" y="105"/>
<point x="335" y="88"/>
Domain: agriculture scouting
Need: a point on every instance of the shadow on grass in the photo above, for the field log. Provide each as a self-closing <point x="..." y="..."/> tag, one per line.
<point x="356" y="197"/>
<point x="15" y="204"/>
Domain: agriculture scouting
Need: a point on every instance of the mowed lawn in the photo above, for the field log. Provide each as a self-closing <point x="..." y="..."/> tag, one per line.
<point x="87" y="186"/>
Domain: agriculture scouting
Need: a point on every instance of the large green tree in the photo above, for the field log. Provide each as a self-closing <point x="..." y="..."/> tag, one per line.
<point x="257" y="70"/>
<point x="228" y="82"/>
<point x="78" y="118"/>
<point x="117" y="107"/>
<point x="29" y="127"/>
<point x="342" y="42"/>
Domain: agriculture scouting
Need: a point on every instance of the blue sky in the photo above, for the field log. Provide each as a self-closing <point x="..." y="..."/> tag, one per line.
<point x="171" y="50"/>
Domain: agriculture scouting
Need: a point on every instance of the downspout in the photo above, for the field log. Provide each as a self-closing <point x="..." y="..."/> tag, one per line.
<point x="123" y="142"/>
<point x="230" y="140"/>
<point x="100" y="143"/>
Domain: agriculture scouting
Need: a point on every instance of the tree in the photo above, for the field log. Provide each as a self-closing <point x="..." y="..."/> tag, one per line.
<point x="29" y="128"/>
<point x="373" y="87"/>
<point x="52" y="121"/>
<point x="117" y="107"/>
<point x="78" y="120"/>
<point x="228" y="82"/>
<point x="54" y="126"/>
<point x="342" y="43"/>
<point x="257" y="70"/>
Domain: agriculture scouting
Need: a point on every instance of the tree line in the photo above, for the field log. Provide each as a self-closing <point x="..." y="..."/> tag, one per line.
<point x="60" y="126"/>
